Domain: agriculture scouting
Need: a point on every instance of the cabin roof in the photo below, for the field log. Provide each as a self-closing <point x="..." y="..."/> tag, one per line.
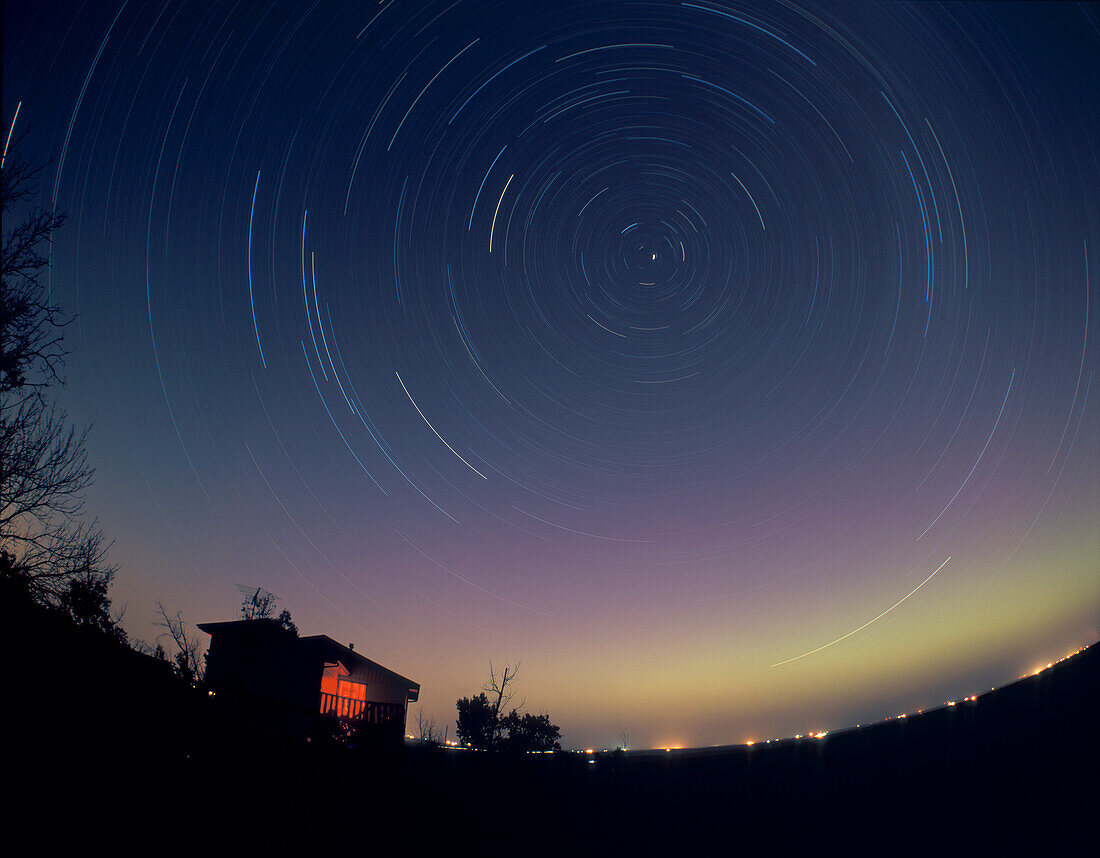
<point x="330" y="650"/>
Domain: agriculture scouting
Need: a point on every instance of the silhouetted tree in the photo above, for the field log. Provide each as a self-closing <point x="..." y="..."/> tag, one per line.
<point x="426" y="732"/>
<point x="529" y="732"/>
<point x="481" y="724"/>
<point x="284" y="621"/>
<point x="188" y="655"/>
<point x="483" y="713"/>
<point x="478" y="724"/>
<point x="86" y="602"/>
<point x="60" y="560"/>
<point x="31" y="348"/>
<point x="501" y="688"/>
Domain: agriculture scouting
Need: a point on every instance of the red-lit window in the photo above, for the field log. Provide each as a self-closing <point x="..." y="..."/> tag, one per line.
<point x="339" y="695"/>
<point x="351" y="690"/>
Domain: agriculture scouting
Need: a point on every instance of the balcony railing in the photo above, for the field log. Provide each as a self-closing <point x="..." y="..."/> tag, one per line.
<point x="347" y="708"/>
<point x="341" y="707"/>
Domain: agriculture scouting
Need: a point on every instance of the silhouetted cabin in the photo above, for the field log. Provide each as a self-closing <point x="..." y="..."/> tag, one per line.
<point x="274" y="681"/>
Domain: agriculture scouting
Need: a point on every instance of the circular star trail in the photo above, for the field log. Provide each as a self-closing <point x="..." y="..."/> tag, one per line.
<point x="733" y="347"/>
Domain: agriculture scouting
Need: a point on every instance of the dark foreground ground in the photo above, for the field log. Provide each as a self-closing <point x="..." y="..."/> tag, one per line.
<point x="111" y="749"/>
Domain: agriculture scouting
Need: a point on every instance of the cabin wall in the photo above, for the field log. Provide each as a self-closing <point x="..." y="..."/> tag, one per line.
<point x="264" y="680"/>
<point x="379" y="691"/>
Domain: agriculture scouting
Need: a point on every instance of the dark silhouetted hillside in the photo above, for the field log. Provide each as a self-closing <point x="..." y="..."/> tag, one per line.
<point x="116" y="744"/>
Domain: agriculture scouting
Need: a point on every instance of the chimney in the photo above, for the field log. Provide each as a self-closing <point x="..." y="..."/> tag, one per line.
<point x="351" y="646"/>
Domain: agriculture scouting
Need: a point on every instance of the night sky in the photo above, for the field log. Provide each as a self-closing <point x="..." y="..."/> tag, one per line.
<point x="731" y="366"/>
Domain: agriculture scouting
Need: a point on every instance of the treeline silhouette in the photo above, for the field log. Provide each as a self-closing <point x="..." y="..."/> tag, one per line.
<point x="486" y="724"/>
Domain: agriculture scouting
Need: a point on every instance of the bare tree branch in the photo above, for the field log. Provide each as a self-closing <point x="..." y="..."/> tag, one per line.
<point x="188" y="649"/>
<point x="44" y="470"/>
<point x="501" y="687"/>
<point x="31" y="348"/>
<point x="427" y="733"/>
